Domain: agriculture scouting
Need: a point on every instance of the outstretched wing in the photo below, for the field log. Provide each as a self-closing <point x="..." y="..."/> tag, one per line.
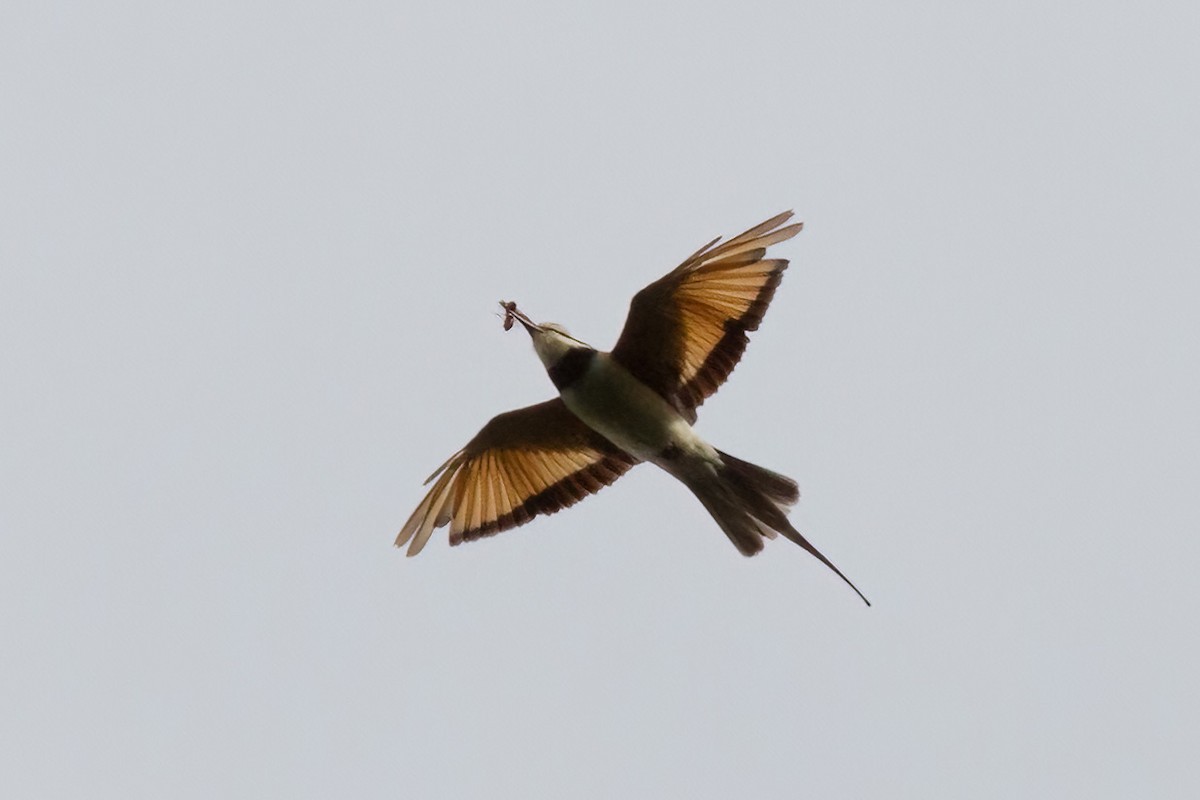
<point x="534" y="460"/>
<point x="686" y="331"/>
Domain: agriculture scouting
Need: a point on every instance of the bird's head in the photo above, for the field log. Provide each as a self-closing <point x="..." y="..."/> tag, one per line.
<point x="550" y="340"/>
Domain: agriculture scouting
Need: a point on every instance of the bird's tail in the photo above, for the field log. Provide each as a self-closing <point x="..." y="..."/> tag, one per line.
<point x="749" y="503"/>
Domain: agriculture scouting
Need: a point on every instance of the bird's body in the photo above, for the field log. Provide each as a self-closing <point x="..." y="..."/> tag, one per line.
<point x="684" y="335"/>
<point x="629" y="414"/>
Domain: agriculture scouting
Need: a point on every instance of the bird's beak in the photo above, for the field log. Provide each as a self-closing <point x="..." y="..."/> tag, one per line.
<point x="511" y="313"/>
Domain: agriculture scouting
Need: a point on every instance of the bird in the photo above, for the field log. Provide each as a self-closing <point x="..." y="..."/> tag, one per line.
<point x="683" y="336"/>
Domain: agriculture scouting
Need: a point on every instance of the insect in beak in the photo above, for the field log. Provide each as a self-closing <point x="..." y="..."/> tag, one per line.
<point x="511" y="314"/>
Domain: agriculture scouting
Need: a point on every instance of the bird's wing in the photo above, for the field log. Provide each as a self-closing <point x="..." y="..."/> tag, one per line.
<point x="686" y="331"/>
<point x="534" y="460"/>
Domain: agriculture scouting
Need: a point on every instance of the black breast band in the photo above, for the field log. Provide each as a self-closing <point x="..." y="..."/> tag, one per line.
<point x="571" y="366"/>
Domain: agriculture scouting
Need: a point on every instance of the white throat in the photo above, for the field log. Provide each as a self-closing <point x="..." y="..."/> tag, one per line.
<point x="551" y="344"/>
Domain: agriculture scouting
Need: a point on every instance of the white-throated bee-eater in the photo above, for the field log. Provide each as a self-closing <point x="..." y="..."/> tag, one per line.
<point x="683" y="336"/>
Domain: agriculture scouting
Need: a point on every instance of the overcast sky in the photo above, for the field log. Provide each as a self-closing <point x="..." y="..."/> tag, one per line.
<point x="251" y="254"/>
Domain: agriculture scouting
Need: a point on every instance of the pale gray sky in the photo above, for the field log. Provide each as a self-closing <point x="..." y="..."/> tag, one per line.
<point x="251" y="254"/>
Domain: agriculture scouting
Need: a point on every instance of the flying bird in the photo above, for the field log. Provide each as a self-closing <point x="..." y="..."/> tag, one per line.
<point x="683" y="336"/>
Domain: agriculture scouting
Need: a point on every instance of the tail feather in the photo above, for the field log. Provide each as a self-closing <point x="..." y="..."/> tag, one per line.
<point x="779" y="488"/>
<point x="749" y="502"/>
<point x="741" y="528"/>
